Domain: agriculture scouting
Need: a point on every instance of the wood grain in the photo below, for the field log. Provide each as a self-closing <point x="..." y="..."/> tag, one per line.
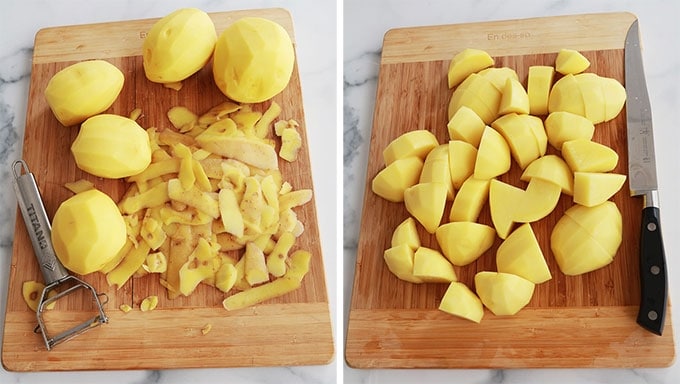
<point x="580" y="321"/>
<point x="290" y="330"/>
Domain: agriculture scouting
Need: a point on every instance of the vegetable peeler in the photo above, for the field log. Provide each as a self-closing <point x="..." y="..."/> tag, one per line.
<point x="58" y="281"/>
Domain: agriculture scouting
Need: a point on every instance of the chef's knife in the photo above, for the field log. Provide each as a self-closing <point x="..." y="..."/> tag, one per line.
<point x="642" y="180"/>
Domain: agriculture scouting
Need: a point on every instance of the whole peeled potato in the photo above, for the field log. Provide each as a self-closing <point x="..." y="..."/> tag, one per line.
<point x="83" y="90"/>
<point x="178" y="45"/>
<point x="253" y="60"/>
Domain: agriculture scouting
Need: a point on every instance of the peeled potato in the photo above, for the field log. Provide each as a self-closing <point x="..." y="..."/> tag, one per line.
<point x="88" y="230"/>
<point x="253" y="60"/>
<point x="178" y="45"/>
<point x="82" y="90"/>
<point x="111" y="146"/>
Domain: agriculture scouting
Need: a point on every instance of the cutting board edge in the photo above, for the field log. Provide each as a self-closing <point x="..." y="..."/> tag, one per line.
<point x="638" y="355"/>
<point x="486" y="40"/>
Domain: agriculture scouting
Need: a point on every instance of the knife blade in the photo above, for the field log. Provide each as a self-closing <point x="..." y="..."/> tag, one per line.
<point x="643" y="182"/>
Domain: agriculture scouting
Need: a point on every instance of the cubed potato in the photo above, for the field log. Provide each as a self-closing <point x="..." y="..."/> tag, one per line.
<point x="503" y="199"/>
<point x="470" y="200"/>
<point x="565" y="95"/>
<point x="467" y="62"/>
<point x="515" y="98"/>
<point x="460" y="301"/>
<point x="467" y="126"/>
<point x="499" y="76"/>
<point x="430" y="266"/>
<point x="462" y="157"/>
<point x="391" y="182"/>
<point x="426" y="202"/>
<point x="589" y="156"/>
<point x="521" y="255"/>
<point x="570" y="61"/>
<point x="539" y="83"/>
<point x="493" y="155"/>
<point x="551" y="168"/>
<point x="406" y="233"/>
<point x="399" y="261"/>
<point x="592" y="189"/>
<point x="503" y="293"/>
<point x="520" y="138"/>
<point x="538" y="201"/>
<point x="566" y="126"/>
<point x="413" y="143"/>
<point x="464" y="242"/>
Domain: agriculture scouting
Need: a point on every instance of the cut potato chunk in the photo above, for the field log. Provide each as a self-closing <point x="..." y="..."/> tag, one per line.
<point x="462" y="157"/>
<point x="565" y="126"/>
<point x="391" y="182"/>
<point x="436" y="169"/>
<point x="406" y="233"/>
<point x="539" y="83"/>
<point x="521" y="255"/>
<point x="478" y="94"/>
<point x="551" y="168"/>
<point x="469" y="200"/>
<point x="426" y="202"/>
<point x="520" y="137"/>
<point x="589" y="156"/>
<point x="499" y="76"/>
<point x="592" y="189"/>
<point x="570" y="61"/>
<point x="593" y="96"/>
<point x="537" y="202"/>
<point x="460" y="301"/>
<point x="503" y="293"/>
<point x="565" y="96"/>
<point x="464" y="242"/>
<point x="466" y="125"/>
<point x="493" y="155"/>
<point x="431" y="266"/>
<point x="413" y="143"/>
<point x="467" y="62"/>
<point x="399" y="260"/>
<point x="586" y="238"/>
<point x="502" y="201"/>
<point x="515" y="98"/>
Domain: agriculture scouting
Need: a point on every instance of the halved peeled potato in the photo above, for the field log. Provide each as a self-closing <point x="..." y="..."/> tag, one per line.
<point x="503" y="293"/>
<point x="521" y="255"/>
<point x="426" y="202"/>
<point x="463" y="242"/>
<point x="493" y="155"/>
<point x="460" y="301"/>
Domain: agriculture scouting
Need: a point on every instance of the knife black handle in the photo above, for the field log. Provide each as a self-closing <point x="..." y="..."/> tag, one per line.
<point x="653" y="277"/>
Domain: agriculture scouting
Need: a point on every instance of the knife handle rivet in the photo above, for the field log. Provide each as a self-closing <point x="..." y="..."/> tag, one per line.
<point x="652" y="315"/>
<point x="651" y="227"/>
<point x="655" y="270"/>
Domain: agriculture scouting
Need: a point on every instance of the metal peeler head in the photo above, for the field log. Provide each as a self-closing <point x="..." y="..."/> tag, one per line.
<point x="67" y="286"/>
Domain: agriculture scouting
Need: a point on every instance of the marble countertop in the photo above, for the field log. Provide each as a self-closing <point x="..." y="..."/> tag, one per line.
<point x="365" y="23"/>
<point x="315" y="30"/>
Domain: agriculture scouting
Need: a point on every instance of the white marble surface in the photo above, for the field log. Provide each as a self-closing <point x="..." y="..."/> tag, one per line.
<point x="315" y="30"/>
<point x="366" y="21"/>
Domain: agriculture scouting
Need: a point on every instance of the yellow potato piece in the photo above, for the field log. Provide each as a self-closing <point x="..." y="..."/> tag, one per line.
<point x="592" y="92"/>
<point x="470" y="200"/>
<point x="565" y="96"/>
<point x="499" y="76"/>
<point x="406" y="233"/>
<point x="464" y="242"/>
<point x="592" y="189"/>
<point x="399" y="260"/>
<point x="459" y="300"/>
<point x="503" y="199"/>
<point x="614" y="97"/>
<point x="87" y="231"/>
<point x="149" y="303"/>
<point x="551" y="168"/>
<point x="589" y="156"/>
<point x="538" y="201"/>
<point x="466" y="125"/>
<point x="566" y="126"/>
<point x="493" y="155"/>
<point x="253" y="60"/>
<point x="178" y="45"/>
<point x="416" y="143"/>
<point x="479" y="94"/>
<point x="182" y="118"/>
<point x="521" y="255"/>
<point x="391" y="182"/>
<point x="291" y="142"/>
<point x="515" y="98"/>
<point x="467" y="62"/>
<point x="32" y="292"/>
<point x="255" y="265"/>
<point x="503" y="293"/>
<point x="430" y="266"/>
<point x="539" y="84"/>
<point x="277" y="257"/>
<point x="520" y="138"/>
<point x="436" y="169"/>
<point x="111" y="146"/>
<point x="83" y="90"/>
<point x="570" y="61"/>
<point x="426" y="202"/>
<point x="79" y="186"/>
<point x="462" y="157"/>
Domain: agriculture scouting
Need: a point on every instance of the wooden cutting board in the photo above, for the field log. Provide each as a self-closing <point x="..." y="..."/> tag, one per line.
<point x="582" y="321"/>
<point x="291" y="330"/>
